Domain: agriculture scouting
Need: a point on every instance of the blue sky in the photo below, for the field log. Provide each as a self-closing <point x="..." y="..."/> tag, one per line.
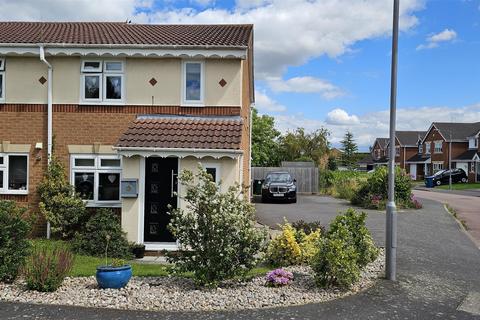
<point x="327" y="62"/>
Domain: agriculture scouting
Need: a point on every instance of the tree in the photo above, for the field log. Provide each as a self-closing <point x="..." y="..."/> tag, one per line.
<point x="349" y="150"/>
<point x="302" y="146"/>
<point x="265" y="146"/>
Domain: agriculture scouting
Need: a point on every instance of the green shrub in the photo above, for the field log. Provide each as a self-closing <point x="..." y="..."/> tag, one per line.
<point x="373" y="193"/>
<point x="47" y="268"/>
<point x="59" y="203"/>
<point x="14" y="246"/>
<point x="360" y="235"/>
<point x="308" y="227"/>
<point x="216" y="231"/>
<point x="102" y="228"/>
<point x="341" y="184"/>
<point x="335" y="262"/>
<point x="293" y="246"/>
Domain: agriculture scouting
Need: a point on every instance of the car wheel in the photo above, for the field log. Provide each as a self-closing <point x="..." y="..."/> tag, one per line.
<point x="464" y="180"/>
<point x="438" y="182"/>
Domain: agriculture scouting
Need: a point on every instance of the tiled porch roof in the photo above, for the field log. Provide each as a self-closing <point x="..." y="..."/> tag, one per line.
<point x="418" y="158"/>
<point x="467" y="155"/>
<point x="182" y="132"/>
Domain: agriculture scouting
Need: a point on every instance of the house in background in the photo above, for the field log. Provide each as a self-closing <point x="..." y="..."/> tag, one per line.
<point x="457" y="143"/>
<point x="130" y="106"/>
<point x="406" y="147"/>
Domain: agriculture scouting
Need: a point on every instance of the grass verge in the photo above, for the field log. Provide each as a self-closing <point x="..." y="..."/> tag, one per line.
<point x="453" y="212"/>
<point x="460" y="186"/>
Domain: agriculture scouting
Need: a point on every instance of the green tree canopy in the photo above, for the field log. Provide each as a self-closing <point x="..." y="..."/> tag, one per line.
<point x="350" y="149"/>
<point x="265" y="145"/>
<point x="302" y="146"/>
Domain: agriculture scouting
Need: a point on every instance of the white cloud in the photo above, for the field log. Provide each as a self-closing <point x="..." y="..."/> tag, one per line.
<point x="306" y="85"/>
<point x="341" y="117"/>
<point x="266" y="104"/>
<point x="376" y="124"/>
<point x="434" y="40"/>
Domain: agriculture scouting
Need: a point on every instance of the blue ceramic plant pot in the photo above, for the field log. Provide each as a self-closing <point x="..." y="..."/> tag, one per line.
<point x="113" y="277"/>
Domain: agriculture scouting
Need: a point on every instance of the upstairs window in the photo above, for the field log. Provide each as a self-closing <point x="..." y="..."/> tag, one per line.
<point x="102" y="81"/>
<point x="2" y="79"/>
<point x="427" y="147"/>
<point x="96" y="179"/>
<point x="420" y="148"/>
<point x="397" y="151"/>
<point x="193" y="83"/>
<point x="473" y="143"/>
<point x="13" y="173"/>
<point x="438" y="146"/>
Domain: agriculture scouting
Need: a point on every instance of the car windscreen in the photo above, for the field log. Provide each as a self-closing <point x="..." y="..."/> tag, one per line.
<point x="278" y="177"/>
<point x="438" y="173"/>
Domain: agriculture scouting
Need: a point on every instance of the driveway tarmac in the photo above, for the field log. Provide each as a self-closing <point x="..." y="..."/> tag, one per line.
<point x="438" y="275"/>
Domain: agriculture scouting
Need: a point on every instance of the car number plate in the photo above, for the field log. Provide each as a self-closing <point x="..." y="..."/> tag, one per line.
<point x="278" y="194"/>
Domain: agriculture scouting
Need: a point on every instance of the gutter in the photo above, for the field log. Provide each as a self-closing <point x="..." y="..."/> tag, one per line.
<point x="192" y="150"/>
<point x="49" y="114"/>
<point x="126" y="46"/>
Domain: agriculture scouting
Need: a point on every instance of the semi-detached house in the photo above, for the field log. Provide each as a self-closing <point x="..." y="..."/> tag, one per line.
<point x="128" y="106"/>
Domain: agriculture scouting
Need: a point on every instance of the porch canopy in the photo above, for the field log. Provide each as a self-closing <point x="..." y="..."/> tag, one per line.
<point x="418" y="158"/>
<point x="469" y="155"/>
<point x="182" y="136"/>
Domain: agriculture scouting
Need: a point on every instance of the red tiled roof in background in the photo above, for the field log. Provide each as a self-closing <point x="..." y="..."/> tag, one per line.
<point x="120" y="33"/>
<point x="183" y="132"/>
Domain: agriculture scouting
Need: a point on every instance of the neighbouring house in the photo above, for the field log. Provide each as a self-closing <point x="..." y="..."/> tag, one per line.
<point x="129" y="106"/>
<point x="378" y="155"/>
<point x="455" y="143"/>
<point x="406" y="147"/>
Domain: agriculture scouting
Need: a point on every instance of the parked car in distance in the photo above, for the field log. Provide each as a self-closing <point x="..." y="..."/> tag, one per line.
<point x="443" y="177"/>
<point x="279" y="186"/>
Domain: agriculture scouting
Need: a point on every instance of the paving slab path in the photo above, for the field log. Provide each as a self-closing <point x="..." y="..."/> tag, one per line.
<point x="466" y="206"/>
<point x="438" y="275"/>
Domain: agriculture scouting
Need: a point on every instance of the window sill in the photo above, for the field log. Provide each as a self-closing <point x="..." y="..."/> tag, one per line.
<point x="193" y="104"/>
<point x="102" y="103"/>
<point x="14" y="192"/>
<point x="91" y="204"/>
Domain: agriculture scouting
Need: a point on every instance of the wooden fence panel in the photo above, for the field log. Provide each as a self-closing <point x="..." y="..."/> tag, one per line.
<point x="307" y="178"/>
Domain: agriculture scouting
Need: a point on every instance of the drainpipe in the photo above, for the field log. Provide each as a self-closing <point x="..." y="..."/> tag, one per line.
<point x="49" y="114"/>
<point x="250" y="148"/>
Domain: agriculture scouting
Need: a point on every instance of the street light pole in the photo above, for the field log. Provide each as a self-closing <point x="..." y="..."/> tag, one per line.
<point x="391" y="223"/>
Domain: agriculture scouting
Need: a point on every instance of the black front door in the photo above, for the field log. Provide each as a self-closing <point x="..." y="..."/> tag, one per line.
<point x="160" y="185"/>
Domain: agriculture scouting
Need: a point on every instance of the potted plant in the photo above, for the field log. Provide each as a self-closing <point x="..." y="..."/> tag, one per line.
<point x="114" y="275"/>
<point x="138" y="250"/>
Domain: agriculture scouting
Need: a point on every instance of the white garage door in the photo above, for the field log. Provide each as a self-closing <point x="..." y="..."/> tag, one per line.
<point x="413" y="171"/>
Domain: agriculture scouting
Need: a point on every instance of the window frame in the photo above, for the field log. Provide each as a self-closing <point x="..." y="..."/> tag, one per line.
<point x="4" y="167"/>
<point x="102" y="73"/>
<point x="435" y="147"/>
<point x="97" y="169"/>
<point x="436" y="167"/>
<point x="420" y="148"/>
<point x="2" y="74"/>
<point x="397" y="151"/>
<point x="185" y="101"/>
<point x="428" y="147"/>
<point x="217" y="167"/>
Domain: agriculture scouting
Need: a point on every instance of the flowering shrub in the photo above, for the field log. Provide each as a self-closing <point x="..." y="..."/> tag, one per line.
<point x="278" y="278"/>
<point x="308" y="227"/>
<point x="14" y="246"/>
<point x="292" y="246"/>
<point x="216" y="231"/>
<point x="47" y="268"/>
<point x="373" y="193"/>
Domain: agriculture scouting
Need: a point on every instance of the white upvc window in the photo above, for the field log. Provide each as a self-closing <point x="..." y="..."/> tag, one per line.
<point x="473" y="143"/>
<point x="213" y="169"/>
<point x="102" y="82"/>
<point x="437" y="166"/>
<point x="96" y="179"/>
<point x="427" y="147"/>
<point x="397" y="151"/>
<point x="438" y="146"/>
<point x="2" y="79"/>
<point x="13" y="173"/>
<point x="193" y="83"/>
<point x="420" y="148"/>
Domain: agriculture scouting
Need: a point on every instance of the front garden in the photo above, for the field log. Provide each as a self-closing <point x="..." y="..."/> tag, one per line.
<point x="224" y="261"/>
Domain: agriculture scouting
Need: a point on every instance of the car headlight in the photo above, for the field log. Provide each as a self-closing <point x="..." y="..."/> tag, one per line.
<point x="292" y="188"/>
<point x="265" y="186"/>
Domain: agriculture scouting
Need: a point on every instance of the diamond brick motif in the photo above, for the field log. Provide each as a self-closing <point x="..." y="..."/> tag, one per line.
<point x="42" y="80"/>
<point x="153" y="81"/>
<point x="222" y="83"/>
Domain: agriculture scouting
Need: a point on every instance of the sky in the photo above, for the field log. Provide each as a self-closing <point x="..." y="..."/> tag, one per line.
<point x="326" y="63"/>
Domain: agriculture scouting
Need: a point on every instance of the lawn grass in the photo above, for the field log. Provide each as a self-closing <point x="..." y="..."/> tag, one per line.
<point x="85" y="266"/>
<point x="460" y="186"/>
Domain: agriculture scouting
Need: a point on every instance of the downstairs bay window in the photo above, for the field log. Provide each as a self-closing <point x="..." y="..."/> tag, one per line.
<point x="13" y="173"/>
<point x="96" y="179"/>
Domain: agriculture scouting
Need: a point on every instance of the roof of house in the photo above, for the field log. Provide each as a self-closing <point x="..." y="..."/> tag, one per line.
<point x="467" y="155"/>
<point x="183" y="132"/>
<point x="383" y="142"/>
<point x="409" y="138"/>
<point x="418" y="158"/>
<point x="127" y="34"/>
<point x="457" y="130"/>
<point x="366" y="160"/>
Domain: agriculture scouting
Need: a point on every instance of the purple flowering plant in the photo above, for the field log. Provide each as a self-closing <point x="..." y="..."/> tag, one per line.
<point x="278" y="278"/>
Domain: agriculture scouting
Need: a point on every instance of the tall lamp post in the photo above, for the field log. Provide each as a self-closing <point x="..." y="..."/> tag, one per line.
<point x="391" y="223"/>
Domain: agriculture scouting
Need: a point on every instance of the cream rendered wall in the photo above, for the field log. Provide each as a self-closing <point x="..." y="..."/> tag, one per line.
<point x="166" y="91"/>
<point x="131" y="206"/>
<point x="230" y="71"/>
<point x="22" y="85"/>
<point x="21" y="80"/>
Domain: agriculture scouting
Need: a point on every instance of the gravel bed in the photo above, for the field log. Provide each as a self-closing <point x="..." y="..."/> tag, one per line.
<point x="173" y="293"/>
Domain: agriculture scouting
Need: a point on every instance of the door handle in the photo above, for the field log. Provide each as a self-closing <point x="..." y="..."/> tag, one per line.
<point x="172" y="191"/>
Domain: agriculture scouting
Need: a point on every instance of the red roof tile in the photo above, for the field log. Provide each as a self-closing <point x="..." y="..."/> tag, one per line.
<point x="117" y="33"/>
<point x="183" y="132"/>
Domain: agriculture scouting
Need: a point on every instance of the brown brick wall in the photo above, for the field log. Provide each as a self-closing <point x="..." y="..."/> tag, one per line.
<point x="245" y="114"/>
<point x="73" y="124"/>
